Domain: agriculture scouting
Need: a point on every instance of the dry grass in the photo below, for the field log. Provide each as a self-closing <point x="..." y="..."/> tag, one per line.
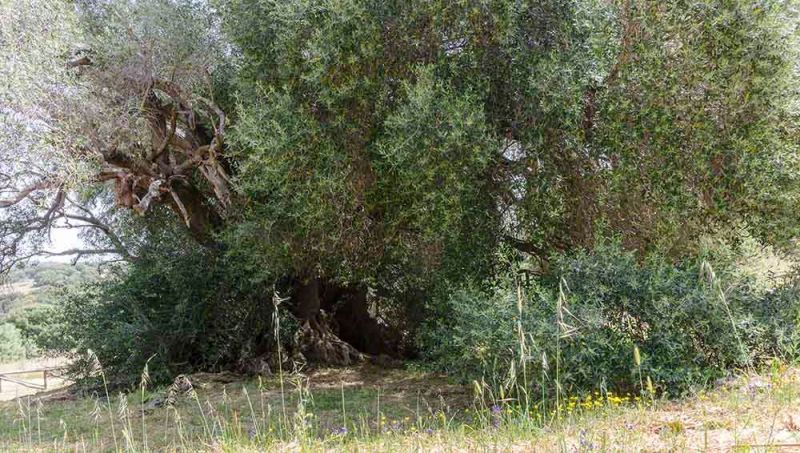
<point x="394" y="410"/>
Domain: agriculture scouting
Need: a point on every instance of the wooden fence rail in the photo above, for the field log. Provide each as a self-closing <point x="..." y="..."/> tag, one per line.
<point x="6" y="376"/>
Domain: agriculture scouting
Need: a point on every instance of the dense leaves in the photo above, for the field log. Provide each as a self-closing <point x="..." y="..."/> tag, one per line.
<point x="659" y="122"/>
<point x="179" y="308"/>
<point x="13" y="346"/>
<point x="688" y="329"/>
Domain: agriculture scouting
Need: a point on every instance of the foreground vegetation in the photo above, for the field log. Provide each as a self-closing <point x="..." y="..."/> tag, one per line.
<point x="368" y="409"/>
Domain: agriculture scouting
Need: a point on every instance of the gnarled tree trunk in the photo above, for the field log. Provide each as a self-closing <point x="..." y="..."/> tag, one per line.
<point x="336" y="326"/>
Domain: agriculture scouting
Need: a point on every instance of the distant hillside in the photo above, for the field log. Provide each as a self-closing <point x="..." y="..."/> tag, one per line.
<point x="39" y="283"/>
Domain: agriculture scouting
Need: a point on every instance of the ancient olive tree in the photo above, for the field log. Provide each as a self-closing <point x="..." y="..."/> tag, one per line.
<point x="356" y="154"/>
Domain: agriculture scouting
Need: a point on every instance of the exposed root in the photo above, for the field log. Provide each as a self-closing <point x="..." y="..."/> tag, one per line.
<point x="319" y="344"/>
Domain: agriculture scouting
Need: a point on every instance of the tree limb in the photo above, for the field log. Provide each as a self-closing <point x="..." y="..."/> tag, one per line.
<point x="24" y="193"/>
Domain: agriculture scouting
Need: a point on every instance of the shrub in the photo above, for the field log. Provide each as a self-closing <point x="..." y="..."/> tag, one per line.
<point x="36" y="324"/>
<point x="181" y="311"/>
<point x="595" y="307"/>
<point x="12" y="344"/>
<point x="778" y="332"/>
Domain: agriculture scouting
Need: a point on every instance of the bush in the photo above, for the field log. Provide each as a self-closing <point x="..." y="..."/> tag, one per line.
<point x="182" y="311"/>
<point x="687" y="332"/>
<point x="36" y="323"/>
<point x="12" y="344"/>
<point x="780" y="320"/>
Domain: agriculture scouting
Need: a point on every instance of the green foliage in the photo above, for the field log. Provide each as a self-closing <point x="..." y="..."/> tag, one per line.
<point x="39" y="326"/>
<point x="26" y="305"/>
<point x="611" y="303"/>
<point x="780" y="316"/>
<point x="300" y="187"/>
<point x="13" y="345"/>
<point x="178" y="307"/>
<point x="431" y="186"/>
<point x="53" y="275"/>
<point x="700" y="120"/>
<point x="675" y="316"/>
<point x="391" y="135"/>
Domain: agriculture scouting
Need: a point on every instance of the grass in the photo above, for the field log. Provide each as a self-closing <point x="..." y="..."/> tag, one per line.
<point x="369" y="409"/>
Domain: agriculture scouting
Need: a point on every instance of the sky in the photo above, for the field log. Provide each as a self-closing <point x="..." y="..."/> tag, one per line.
<point x="62" y="239"/>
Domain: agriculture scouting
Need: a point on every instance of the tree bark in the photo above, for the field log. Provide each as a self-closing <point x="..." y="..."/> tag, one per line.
<point x="336" y="327"/>
<point x="358" y="327"/>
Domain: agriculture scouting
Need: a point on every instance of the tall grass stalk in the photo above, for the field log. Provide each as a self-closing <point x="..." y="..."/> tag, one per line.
<point x="253" y="417"/>
<point x="545" y="367"/>
<point x="262" y="404"/>
<point x="378" y="421"/>
<point x="637" y="360"/>
<point x="708" y="271"/>
<point x="99" y="366"/>
<point x="23" y="417"/>
<point x="39" y="419"/>
<point x="523" y="351"/>
<point x="127" y="426"/>
<point x="276" y="301"/>
<point x="560" y="331"/>
<point x="344" y="408"/>
<point x="196" y="399"/>
<point x="144" y="381"/>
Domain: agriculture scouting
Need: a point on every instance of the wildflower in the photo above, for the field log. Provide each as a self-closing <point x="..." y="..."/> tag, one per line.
<point x="585" y="444"/>
<point x="496" y="410"/>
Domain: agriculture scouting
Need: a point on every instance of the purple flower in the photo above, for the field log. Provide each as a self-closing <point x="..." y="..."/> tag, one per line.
<point x="496" y="410"/>
<point x="341" y="430"/>
<point x="585" y="443"/>
<point x="429" y="430"/>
